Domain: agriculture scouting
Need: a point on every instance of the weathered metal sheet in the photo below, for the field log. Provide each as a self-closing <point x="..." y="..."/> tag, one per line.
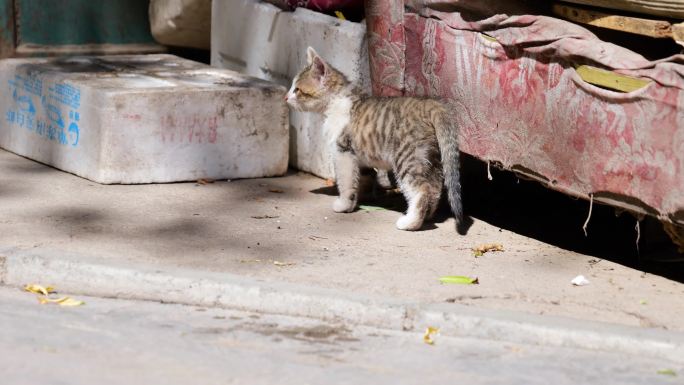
<point x="519" y="101"/>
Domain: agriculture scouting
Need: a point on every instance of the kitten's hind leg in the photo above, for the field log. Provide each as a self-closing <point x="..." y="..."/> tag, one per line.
<point x="347" y="175"/>
<point x="383" y="179"/>
<point x="418" y="206"/>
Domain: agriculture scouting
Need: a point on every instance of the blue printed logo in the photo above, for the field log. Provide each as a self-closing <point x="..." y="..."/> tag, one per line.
<point x="45" y="119"/>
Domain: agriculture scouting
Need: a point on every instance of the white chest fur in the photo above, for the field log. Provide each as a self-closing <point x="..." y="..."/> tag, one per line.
<point x="337" y="117"/>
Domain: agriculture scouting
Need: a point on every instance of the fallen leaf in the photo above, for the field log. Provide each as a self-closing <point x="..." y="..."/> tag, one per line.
<point x="371" y="208"/>
<point x="265" y="216"/>
<point x="480" y="250"/>
<point x="580" y="281"/>
<point x="430" y="334"/>
<point x="330" y="182"/>
<point x="278" y="263"/>
<point x="63" y="301"/>
<point x="667" y="372"/>
<point x="275" y="190"/>
<point x="459" y="280"/>
<point x="204" y="181"/>
<point x="38" y="289"/>
<point x="340" y="15"/>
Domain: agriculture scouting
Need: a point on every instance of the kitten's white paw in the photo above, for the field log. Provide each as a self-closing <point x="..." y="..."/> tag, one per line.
<point x="342" y="205"/>
<point x="409" y="223"/>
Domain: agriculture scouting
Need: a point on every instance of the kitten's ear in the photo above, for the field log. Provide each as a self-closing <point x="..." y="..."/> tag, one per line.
<point x="318" y="68"/>
<point x="310" y="55"/>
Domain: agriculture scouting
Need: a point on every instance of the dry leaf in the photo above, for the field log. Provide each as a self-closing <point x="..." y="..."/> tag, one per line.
<point x="459" y="279"/>
<point x="204" y="181"/>
<point x="276" y="190"/>
<point x="38" y="289"/>
<point x="371" y="208"/>
<point x="278" y="263"/>
<point x="667" y="372"/>
<point x="67" y="301"/>
<point x="480" y="250"/>
<point x="430" y="334"/>
<point x="63" y="301"/>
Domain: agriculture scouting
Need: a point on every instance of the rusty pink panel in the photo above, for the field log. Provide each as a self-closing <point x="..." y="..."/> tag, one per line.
<point x="530" y="110"/>
<point x="386" y="45"/>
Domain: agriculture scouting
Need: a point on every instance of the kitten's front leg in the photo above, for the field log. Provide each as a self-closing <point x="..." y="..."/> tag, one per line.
<point x="347" y="175"/>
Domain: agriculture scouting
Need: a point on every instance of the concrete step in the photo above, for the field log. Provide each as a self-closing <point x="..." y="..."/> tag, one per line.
<point x="142" y="119"/>
<point x="77" y="274"/>
<point x="239" y="27"/>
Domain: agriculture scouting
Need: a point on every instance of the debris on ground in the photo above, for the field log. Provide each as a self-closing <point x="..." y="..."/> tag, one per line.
<point x="330" y="182"/>
<point x="580" y="281"/>
<point x="459" y="280"/>
<point x="43" y="295"/>
<point x="371" y="208"/>
<point x="273" y="261"/>
<point x="667" y="372"/>
<point x="276" y="190"/>
<point x="265" y="216"/>
<point x="205" y="181"/>
<point x="482" y="249"/>
<point x="278" y="263"/>
<point x="430" y="334"/>
<point x="38" y="289"/>
<point x="63" y="301"/>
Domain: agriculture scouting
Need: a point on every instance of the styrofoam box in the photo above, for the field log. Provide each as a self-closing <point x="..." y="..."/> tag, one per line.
<point x="143" y="118"/>
<point x="259" y="39"/>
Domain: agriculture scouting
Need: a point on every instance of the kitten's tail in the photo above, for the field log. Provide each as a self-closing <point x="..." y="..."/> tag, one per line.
<point x="447" y="137"/>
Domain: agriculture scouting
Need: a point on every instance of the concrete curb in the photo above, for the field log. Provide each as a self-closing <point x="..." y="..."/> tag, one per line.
<point x="76" y="275"/>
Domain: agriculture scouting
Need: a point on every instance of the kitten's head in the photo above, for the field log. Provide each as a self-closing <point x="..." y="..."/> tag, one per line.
<point x="315" y="85"/>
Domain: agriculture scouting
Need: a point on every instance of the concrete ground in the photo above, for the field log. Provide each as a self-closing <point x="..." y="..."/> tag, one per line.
<point x="283" y="229"/>
<point x="140" y="342"/>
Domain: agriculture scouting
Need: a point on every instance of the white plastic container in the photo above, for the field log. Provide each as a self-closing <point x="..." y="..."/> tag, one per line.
<point x="259" y="39"/>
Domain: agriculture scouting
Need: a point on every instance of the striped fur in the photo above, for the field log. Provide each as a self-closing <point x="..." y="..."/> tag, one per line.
<point x="414" y="138"/>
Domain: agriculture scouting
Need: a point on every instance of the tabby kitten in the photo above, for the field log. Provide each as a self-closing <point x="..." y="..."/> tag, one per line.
<point x="414" y="138"/>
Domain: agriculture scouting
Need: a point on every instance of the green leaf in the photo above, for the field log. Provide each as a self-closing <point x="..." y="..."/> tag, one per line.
<point x="459" y="280"/>
<point x="667" y="372"/>
<point x="371" y="208"/>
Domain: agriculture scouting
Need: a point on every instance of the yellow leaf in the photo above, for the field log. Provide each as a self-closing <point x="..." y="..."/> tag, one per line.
<point x="429" y="336"/>
<point x="38" y="289"/>
<point x="67" y="301"/>
<point x="480" y="250"/>
<point x="278" y="263"/>
<point x="63" y="301"/>
<point x="340" y="15"/>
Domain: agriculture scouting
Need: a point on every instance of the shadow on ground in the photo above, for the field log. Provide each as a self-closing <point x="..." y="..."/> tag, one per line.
<point x="532" y="210"/>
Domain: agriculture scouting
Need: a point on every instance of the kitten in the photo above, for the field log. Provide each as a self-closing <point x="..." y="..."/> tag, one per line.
<point x="415" y="138"/>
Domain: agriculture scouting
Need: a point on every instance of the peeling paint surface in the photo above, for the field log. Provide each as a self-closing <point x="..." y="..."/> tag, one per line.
<point x="519" y="101"/>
